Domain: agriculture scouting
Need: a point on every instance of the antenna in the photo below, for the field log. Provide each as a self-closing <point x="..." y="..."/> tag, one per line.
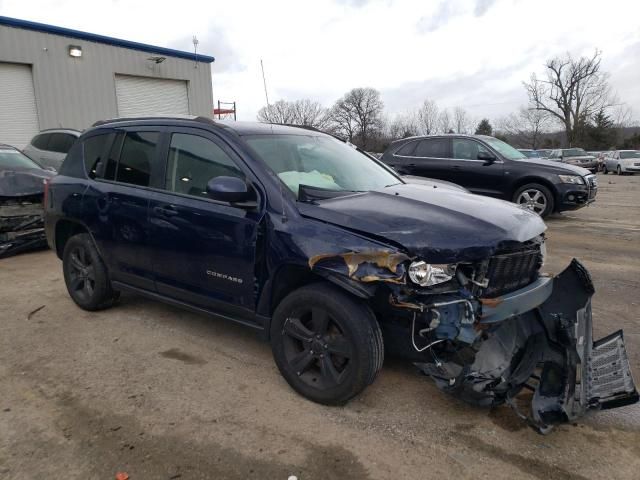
<point x="195" y="42"/>
<point x="264" y="81"/>
<point x="266" y="96"/>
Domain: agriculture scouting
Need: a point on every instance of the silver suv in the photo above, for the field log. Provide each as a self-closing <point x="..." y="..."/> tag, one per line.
<point x="49" y="148"/>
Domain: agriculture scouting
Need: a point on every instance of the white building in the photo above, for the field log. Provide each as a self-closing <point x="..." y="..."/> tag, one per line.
<point x="52" y="77"/>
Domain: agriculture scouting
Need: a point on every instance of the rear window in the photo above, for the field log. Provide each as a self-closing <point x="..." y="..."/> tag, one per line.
<point x="40" y="141"/>
<point x="60" y="142"/>
<point x="432" y="147"/>
<point x="407" y="149"/>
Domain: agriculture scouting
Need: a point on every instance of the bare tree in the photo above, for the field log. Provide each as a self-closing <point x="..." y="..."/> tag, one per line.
<point x="278" y="112"/>
<point x="297" y="112"/>
<point x="428" y="116"/>
<point x="310" y="113"/>
<point x="461" y="120"/>
<point x="572" y="91"/>
<point x="358" y="115"/>
<point x="444" y="121"/>
<point x="526" y="127"/>
<point x="402" y="126"/>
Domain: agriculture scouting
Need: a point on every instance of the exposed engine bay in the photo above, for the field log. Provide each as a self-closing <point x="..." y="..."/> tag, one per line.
<point x="538" y="338"/>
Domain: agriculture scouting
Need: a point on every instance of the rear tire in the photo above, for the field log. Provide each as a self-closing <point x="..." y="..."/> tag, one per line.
<point x="86" y="275"/>
<point x="536" y="197"/>
<point x="327" y="345"/>
<point x="604" y="170"/>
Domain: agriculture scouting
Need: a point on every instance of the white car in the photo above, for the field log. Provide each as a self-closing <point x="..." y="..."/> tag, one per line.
<point x="49" y="148"/>
<point x="622" y="161"/>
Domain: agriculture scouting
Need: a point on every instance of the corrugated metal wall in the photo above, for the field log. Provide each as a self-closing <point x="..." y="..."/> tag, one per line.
<point x="76" y="92"/>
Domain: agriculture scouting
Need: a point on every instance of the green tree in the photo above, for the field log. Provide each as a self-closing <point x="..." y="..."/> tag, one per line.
<point x="484" y="127"/>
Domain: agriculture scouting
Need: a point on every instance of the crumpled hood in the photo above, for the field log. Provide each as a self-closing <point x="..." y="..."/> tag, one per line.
<point x="435" y="224"/>
<point x="23" y="182"/>
<point x="562" y="167"/>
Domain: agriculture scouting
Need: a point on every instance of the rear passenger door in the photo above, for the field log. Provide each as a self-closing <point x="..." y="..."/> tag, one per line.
<point x="429" y="157"/>
<point x="204" y="250"/>
<point x="117" y="202"/>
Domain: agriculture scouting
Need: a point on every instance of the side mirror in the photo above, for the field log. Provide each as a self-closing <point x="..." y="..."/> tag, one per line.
<point x="229" y="189"/>
<point x="486" y="156"/>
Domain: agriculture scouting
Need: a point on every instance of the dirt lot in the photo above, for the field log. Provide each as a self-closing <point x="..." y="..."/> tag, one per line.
<point x="163" y="394"/>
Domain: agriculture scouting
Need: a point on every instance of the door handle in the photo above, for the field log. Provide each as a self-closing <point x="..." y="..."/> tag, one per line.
<point x="166" y="211"/>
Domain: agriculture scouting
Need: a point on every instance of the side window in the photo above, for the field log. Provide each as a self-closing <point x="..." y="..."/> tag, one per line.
<point x="407" y="149"/>
<point x="93" y="149"/>
<point x="134" y="164"/>
<point x="466" y="149"/>
<point x="60" y="142"/>
<point x="193" y="161"/>
<point x="432" y="147"/>
<point x="112" y="158"/>
<point x="41" y="141"/>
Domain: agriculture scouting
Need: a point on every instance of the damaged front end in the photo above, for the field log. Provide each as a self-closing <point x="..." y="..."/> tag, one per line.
<point x="22" y="211"/>
<point x="538" y="338"/>
<point x="497" y="331"/>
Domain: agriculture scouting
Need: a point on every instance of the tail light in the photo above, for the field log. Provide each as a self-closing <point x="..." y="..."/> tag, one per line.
<point x="45" y="200"/>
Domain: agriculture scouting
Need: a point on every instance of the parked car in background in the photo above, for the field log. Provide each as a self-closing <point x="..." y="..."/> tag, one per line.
<point x="574" y="156"/>
<point x="49" y="147"/>
<point x="21" y="196"/>
<point x="543" y="153"/>
<point x="622" y="161"/>
<point x="333" y="257"/>
<point x="527" y="152"/>
<point x="488" y="166"/>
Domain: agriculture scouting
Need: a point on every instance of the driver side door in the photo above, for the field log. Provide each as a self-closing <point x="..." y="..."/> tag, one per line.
<point x="481" y="176"/>
<point x="204" y="250"/>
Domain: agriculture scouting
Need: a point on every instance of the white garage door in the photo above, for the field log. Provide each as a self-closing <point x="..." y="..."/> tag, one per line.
<point x="141" y="96"/>
<point x="18" y="114"/>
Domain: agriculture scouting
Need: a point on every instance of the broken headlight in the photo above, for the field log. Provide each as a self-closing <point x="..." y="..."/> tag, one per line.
<point x="427" y="274"/>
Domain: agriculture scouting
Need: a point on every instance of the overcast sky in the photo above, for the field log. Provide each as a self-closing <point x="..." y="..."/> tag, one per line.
<point x="472" y="53"/>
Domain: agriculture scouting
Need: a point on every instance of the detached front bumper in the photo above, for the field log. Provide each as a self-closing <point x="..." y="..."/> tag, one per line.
<point x="577" y="374"/>
<point x="539" y="338"/>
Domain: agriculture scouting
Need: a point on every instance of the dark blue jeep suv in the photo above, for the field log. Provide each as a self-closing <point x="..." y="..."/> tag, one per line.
<point x="334" y="258"/>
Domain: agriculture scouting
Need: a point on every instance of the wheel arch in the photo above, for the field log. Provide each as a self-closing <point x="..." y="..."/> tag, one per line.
<point x="540" y="180"/>
<point x="64" y="230"/>
<point x="292" y="276"/>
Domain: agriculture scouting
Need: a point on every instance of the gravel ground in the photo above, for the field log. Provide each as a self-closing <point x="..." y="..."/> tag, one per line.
<point x="158" y="393"/>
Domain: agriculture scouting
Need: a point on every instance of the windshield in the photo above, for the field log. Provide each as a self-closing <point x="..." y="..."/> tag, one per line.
<point x="573" y="152"/>
<point x="320" y="162"/>
<point x="635" y="154"/>
<point x="505" y="149"/>
<point x="14" y="159"/>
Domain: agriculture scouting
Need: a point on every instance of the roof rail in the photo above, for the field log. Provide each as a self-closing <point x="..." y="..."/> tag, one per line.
<point x="156" y="117"/>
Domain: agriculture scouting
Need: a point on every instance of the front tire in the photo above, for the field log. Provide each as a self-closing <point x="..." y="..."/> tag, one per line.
<point x="327" y="345"/>
<point x="535" y="197"/>
<point x="85" y="274"/>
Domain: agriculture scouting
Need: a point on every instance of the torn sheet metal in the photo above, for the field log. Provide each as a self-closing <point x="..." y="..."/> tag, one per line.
<point x="21" y="225"/>
<point x="548" y="350"/>
<point x="370" y="266"/>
